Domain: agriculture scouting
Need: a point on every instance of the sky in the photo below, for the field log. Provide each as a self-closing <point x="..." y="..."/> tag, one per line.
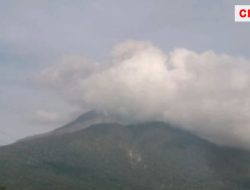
<point x="36" y="35"/>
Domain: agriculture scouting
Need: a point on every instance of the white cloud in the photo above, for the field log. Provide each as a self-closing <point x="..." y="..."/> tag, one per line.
<point x="53" y="119"/>
<point x="45" y="116"/>
<point x="206" y="93"/>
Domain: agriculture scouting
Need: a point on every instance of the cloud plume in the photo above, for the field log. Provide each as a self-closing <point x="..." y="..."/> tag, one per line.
<point x="205" y="93"/>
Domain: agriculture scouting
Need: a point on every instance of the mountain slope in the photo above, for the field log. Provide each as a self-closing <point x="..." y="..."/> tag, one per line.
<point x="82" y="122"/>
<point x="149" y="156"/>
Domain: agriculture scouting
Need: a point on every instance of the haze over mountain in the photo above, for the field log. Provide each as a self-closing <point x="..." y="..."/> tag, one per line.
<point x="83" y="121"/>
<point x="169" y="83"/>
<point x="34" y="35"/>
<point x="206" y="93"/>
<point x="106" y="156"/>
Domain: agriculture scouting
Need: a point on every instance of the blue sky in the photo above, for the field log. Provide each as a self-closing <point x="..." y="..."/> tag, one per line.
<point x="37" y="34"/>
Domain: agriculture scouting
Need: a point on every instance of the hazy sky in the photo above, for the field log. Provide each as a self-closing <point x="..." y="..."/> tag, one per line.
<point x="36" y="34"/>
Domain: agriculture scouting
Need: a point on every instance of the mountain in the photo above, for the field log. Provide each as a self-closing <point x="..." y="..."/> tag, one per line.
<point x="111" y="156"/>
<point x="83" y="121"/>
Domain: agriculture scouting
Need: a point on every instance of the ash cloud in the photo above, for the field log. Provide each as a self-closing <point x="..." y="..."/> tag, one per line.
<point x="205" y="93"/>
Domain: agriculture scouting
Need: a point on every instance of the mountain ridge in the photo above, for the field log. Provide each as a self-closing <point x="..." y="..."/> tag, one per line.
<point x="106" y="156"/>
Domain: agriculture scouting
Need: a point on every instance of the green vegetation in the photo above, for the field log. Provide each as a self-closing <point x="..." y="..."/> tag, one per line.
<point x="150" y="156"/>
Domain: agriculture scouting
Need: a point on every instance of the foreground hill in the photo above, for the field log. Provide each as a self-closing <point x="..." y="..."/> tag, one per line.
<point x="148" y="156"/>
